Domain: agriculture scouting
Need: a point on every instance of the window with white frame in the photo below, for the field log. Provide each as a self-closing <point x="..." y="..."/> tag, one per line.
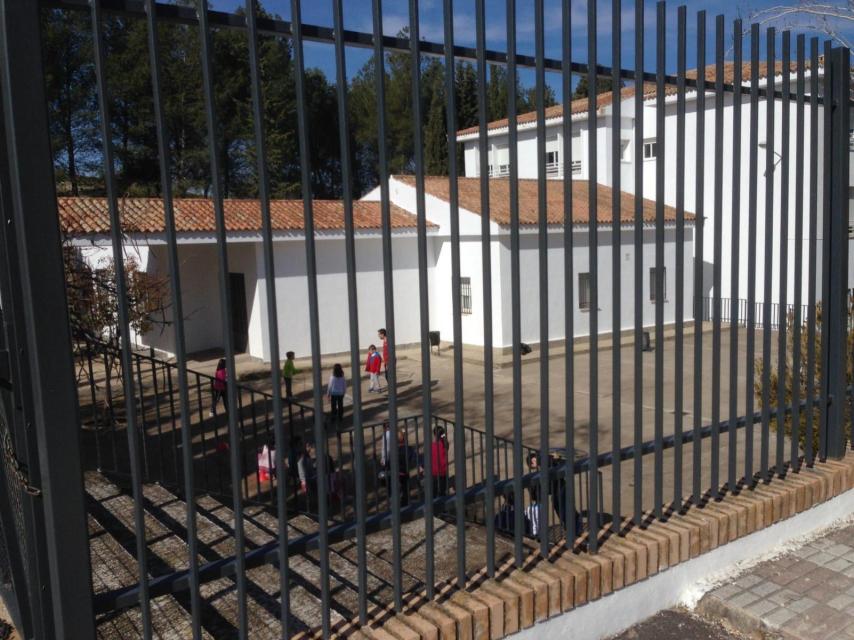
<point x="552" y="155"/>
<point x="465" y="296"/>
<point x="500" y="161"/>
<point x="653" y="284"/>
<point x="584" y="291"/>
<point x="650" y="150"/>
<point x="625" y="150"/>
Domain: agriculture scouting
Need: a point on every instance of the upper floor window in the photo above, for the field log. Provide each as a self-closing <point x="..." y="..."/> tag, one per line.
<point x="465" y="296"/>
<point x="653" y="285"/>
<point x="625" y="150"/>
<point x="650" y="150"/>
<point x="499" y="164"/>
<point x="552" y="161"/>
<point x="584" y="291"/>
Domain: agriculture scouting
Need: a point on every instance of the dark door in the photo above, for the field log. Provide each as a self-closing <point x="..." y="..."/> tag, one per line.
<point x="239" y="322"/>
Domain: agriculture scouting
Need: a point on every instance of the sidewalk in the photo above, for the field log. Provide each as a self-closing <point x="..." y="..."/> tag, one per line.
<point x="807" y="593"/>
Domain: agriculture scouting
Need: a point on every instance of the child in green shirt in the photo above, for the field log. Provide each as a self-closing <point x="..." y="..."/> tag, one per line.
<point x="288" y="373"/>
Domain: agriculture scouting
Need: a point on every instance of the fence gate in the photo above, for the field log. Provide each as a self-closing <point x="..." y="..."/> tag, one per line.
<point x="745" y="191"/>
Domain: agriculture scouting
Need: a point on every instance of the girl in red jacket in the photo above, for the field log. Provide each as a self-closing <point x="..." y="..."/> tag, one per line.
<point x="439" y="451"/>
<point x="373" y="366"/>
<point x="220" y="384"/>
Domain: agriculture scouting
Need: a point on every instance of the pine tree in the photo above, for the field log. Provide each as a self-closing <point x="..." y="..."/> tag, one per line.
<point x="69" y="85"/>
<point x="435" y="133"/>
<point x="582" y="89"/>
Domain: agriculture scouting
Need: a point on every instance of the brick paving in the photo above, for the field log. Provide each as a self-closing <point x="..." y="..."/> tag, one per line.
<point x="808" y="593"/>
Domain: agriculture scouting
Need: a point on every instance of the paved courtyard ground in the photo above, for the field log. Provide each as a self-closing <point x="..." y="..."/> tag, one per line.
<point x="444" y="400"/>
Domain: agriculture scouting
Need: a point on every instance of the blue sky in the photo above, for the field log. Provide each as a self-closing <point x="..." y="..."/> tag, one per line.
<point x="358" y="17"/>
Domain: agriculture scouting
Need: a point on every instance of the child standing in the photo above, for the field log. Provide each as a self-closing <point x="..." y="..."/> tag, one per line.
<point x="288" y="373"/>
<point x="220" y="384"/>
<point x="335" y="392"/>
<point x="373" y="366"/>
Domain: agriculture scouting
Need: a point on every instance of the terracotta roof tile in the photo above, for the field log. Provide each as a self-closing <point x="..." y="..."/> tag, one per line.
<point x="499" y="200"/>
<point x="604" y="99"/>
<point x="82" y="216"/>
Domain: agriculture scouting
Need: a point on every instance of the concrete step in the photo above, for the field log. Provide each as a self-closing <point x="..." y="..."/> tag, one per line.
<point x="112" y="534"/>
<point x="113" y="567"/>
<point x="167" y="552"/>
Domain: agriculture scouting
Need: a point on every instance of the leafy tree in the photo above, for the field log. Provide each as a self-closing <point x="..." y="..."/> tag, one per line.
<point x="549" y="99"/>
<point x="69" y="85"/>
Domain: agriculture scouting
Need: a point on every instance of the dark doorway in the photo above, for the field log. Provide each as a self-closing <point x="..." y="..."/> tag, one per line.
<point x="239" y="321"/>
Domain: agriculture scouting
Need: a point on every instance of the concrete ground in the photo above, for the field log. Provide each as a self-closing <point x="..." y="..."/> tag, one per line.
<point x="806" y="594"/>
<point x="611" y="401"/>
<point x="678" y="624"/>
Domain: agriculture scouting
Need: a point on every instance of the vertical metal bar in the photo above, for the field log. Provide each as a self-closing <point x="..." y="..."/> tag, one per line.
<point x="616" y="241"/>
<point x="811" y="260"/>
<point x="515" y="286"/>
<point x="841" y="205"/>
<point x="679" y="364"/>
<point x="225" y="299"/>
<point x="784" y="252"/>
<point x="167" y="368"/>
<point x="459" y="453"/>
<point x="543" y="254"/>
<point x="423" y="290"/>
<point x="660" y="61"/>
<point x="388" y="284"/>
<point x="143" y="436"/>
<point x="353" y="310"/>
<point x="568" y="278"/>
<point x="123" y="316"/>
<point x="768" y="256"/>
<point x="835" y="304"/>
<point x="94" y="400"/>
<point x="734" y="252"/>
<point x="638" y="262"/>
<point x="258" y="114"/>
<point x="34" y="247"/>
<point x="155" y="390"/>
<point x="486" y="257"/>
<point x="593" y="249"/>
<point x="718" y="251"/>
<point x="314" y="316"/>
<point x="799" y="258"/>
<point x="827" y="320"/>
<point x="699" y="211"/>
<point x="108" y="393"/>
<point x="202" y="430"/>
<point x="253" y="459"/>
<point x="751" y="252"/>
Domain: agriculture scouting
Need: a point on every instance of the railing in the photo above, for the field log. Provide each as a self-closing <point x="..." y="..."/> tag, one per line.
<point x="737" y="311"/>
<point x="156" y="397"/>
<point x="164" y="437"/>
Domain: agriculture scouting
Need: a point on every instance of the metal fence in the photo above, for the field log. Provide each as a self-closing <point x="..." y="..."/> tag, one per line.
<point x="736" y="312"/>
<point x="42" y="503"/>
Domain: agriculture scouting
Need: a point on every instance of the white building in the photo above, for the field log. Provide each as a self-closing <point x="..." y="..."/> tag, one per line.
<point x="85" y="222"/>
<point x="607" y="128"/>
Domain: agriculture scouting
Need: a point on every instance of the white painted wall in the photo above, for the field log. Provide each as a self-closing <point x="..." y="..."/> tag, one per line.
<point x="292" y="295"/>
<point x="529" y="268"/>
<point x="746" y="272"/>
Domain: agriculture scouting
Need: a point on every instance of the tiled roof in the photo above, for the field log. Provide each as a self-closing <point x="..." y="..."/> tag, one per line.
<point x="82" y="216"/>
<point x="604" y="99"/>
<point x="499" y="200"/>
<point x="576" y="107"/>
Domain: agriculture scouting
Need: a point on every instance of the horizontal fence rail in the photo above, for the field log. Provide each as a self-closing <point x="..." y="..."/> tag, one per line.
<point x="195" y="184"/>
